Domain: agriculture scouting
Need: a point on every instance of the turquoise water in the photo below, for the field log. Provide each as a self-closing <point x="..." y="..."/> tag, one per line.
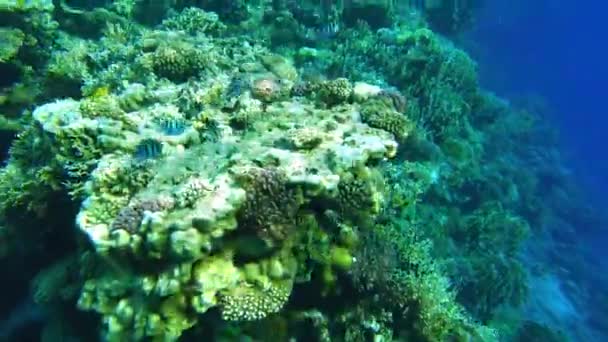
<point x="302" y="171"/>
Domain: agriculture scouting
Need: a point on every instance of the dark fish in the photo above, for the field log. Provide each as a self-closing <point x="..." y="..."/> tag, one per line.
<point x="172" y="126"/>
<point x="327" y="31"/>
<point x="148" y="149"/>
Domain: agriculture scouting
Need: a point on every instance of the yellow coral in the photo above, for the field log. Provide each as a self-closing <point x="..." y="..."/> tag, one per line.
<point x="250" y="303"/>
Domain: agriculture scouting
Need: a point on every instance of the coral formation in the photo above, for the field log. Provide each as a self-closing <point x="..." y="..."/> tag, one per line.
<point x="12" y="39"/>
<point x="325" y="172"/>
<point x="178" y="63"/>
<point x="271" y="205"/>
<point x="335" y="91"/>
<point x="194" y="21"/>
<point x="380" y="113"/>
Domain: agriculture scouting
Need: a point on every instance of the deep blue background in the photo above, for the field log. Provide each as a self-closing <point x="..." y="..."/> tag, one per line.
<point x="559" y="50"/>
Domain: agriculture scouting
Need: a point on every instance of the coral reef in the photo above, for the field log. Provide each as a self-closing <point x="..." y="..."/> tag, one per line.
<point x="229" y="171"/>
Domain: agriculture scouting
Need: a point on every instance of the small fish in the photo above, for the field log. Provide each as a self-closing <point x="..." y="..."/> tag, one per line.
<point x="148" y="149"/>
<point x="327" y="31"/>
<point x="172" y="126"/>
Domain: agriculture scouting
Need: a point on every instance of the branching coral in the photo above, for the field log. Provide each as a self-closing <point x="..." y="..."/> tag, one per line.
<point x="195" y="20"/>
<point x="408" y="278"/>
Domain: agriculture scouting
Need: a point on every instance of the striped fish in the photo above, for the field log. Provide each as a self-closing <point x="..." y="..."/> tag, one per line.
<point x="148" y="149"/>
<point x="172" y="126"/>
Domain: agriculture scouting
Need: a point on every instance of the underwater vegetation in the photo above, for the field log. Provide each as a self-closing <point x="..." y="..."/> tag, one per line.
<point x="267" y="171"/>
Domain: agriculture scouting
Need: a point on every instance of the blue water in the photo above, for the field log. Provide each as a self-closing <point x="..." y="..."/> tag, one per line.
<point x="557" y="50"/>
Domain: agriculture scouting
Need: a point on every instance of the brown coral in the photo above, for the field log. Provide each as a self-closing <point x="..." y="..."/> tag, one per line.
<point x="130" y="217"/>
<point x="271" y="205"/>
<point x="357" y="194"/>
<point x="266" y="89"/>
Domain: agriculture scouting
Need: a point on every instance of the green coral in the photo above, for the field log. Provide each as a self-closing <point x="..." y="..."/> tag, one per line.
<point x="254" y="303"/>
<point x="395" y="262"/>
<point x="379" y="113"/>
<point x="334" y="92"/>
<point x="195" y="20"/>
<point x="178" y="63"/>
<point x="20" y="5"/>
<point x="491" y="238"/>
<point x="68" y="68"/>
<point x="359" y="193"/>
<point x="10" y="43"/>
<point x="102" y="106"/>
